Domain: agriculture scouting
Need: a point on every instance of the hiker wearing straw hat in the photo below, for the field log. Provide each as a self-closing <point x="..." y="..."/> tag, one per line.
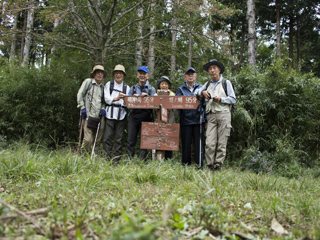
<point x="91" y="102"/>
<point x="116" y="116"/>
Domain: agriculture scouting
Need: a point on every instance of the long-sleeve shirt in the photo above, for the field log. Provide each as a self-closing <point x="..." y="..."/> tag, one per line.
<point x="91" y="100"/>
<point x="115" y="110"/>
<point x="229" y="99"/>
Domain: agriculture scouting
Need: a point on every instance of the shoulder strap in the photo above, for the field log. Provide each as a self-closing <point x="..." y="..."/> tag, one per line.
<point x="124" y="88"/>
<point x="134" y="90"/>
<point x="111" y="87"/>
<point x="224" y="85"/>
<point x="102" y="95"/>
<point x="88" y="89"/>
<point x="207" y="85"/>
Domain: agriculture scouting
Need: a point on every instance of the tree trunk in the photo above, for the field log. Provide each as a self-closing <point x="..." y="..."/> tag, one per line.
<point x="243" y="33"/>
<point x="190" y="45"/>
<point x="251" y="32"/>
<point x="278" y="51"/>
<point x="298" y="41"/>
<point x="55" y="24"/>
<point x="151" y="58"/>
<point x="231" y="40"/>
<point x="291" y="40"/>
<point x="174" y="38"/>
<point x="24" y="16"/>
<point x="138" y="60"/>
<point x="14" y="38"/>
<point x="27" y="44"/>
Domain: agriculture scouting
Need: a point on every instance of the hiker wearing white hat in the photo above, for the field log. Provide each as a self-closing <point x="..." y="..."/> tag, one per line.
<point x="116" y="116"/>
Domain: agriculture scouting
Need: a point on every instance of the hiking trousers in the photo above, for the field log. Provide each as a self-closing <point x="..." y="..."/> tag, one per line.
<point x="89" y="136"/>
<point x="218" y="132"/>
<point x="114" y="130"/>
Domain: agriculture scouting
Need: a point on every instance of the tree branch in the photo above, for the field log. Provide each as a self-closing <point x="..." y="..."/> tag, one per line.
<point x="81" y="25"/>
<point x="109" y="17"/>
<point x="30" y="219"/>
<point x="126" y="12"/>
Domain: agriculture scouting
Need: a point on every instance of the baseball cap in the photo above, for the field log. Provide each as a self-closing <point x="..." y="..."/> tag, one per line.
<point x="190" y="69"/>
<point x="143" y="68"/>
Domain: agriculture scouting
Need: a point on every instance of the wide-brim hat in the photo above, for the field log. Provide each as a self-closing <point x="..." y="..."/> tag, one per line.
<point x="98" y="67"/>
<point x="214" y="62"/>
<point x="119" y="67"/>
<point x="162" y="79"/>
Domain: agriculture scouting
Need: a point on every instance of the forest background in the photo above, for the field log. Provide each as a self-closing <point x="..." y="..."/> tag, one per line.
<point x="270" y="50"/>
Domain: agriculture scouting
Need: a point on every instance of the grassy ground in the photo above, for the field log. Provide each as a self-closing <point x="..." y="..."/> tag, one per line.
<point x="76" y="197"/>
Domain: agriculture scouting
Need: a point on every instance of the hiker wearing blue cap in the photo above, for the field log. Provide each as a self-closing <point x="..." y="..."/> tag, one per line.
<point x="191" y="121"/>
<point x="137" y="116"/>
<point x="220" y="97"/>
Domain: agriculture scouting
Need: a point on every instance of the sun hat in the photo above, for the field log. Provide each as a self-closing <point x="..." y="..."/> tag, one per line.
<point x="189" y="69"/>
<point x="143" y="68"/>
<point x="98" y="67"/>
<point x="119" y="67"/>
<point x="162" y="79"/>
<point x="214" y="62"/>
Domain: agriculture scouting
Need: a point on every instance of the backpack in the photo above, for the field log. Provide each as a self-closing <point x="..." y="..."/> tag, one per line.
<point x="134" y="90"/>
<point x="225" y="88"/>
<point x="88" y="89"/>
<point x="124" y="88"/>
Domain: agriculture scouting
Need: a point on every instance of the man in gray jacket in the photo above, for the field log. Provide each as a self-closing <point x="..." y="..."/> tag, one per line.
<point x="220" y="97"/>
<point x="91" y="102"/>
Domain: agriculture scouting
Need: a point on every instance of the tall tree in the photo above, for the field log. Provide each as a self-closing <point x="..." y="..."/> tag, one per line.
<point x="278" y="51"/>
<point x="151" y="58"/>
<point x="29" y="29"/>
<point x="14" y="37"/>
<point x="174" y="31"/>
<point x="251" y="16"/>
<point x="138" y="61"/>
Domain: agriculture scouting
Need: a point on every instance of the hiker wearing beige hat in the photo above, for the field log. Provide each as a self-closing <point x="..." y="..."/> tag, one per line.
<point x="116" y="113"/>
<point x="91" y="102"/>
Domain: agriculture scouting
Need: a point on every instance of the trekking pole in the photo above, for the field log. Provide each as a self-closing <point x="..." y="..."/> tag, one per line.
<point x="200" y="144"/>
<point x="95" y="139"/>
<point x="80" y="135"/>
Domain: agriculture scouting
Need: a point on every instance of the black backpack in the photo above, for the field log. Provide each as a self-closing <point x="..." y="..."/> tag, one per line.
<point x="124" y="88"/>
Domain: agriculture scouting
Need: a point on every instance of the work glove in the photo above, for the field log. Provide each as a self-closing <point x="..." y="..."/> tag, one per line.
<point x="102" y="113"/>
<point x="84" y="113"/>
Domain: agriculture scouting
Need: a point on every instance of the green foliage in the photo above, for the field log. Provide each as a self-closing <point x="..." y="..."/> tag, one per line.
<point x="279" y="115"/>
<point x="38" y="105"/>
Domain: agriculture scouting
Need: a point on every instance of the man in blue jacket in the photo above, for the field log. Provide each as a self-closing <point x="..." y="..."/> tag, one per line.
<point x="137" y="116"/>
<point x="192" y="121"/>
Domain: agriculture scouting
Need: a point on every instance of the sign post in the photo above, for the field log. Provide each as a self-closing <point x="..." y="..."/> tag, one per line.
<point x="161" y="135"/>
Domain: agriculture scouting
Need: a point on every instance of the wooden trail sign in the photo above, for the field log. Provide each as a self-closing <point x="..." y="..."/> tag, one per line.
<point x="161" y="135"/>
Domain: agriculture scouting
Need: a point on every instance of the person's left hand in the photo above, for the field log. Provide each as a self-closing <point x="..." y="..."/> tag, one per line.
<point x="102" y="113"/>
<point x="216" y="99"/>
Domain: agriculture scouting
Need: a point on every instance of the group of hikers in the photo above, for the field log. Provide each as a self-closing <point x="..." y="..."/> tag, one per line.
<point x="104" y="113"/>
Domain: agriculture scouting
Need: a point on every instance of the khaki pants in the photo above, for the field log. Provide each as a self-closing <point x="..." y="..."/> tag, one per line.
<point x="89" y="136"/>
<point x="218" y="132"/>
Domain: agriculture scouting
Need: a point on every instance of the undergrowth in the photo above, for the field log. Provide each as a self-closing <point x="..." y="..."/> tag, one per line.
<point x="88" y="198"/>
